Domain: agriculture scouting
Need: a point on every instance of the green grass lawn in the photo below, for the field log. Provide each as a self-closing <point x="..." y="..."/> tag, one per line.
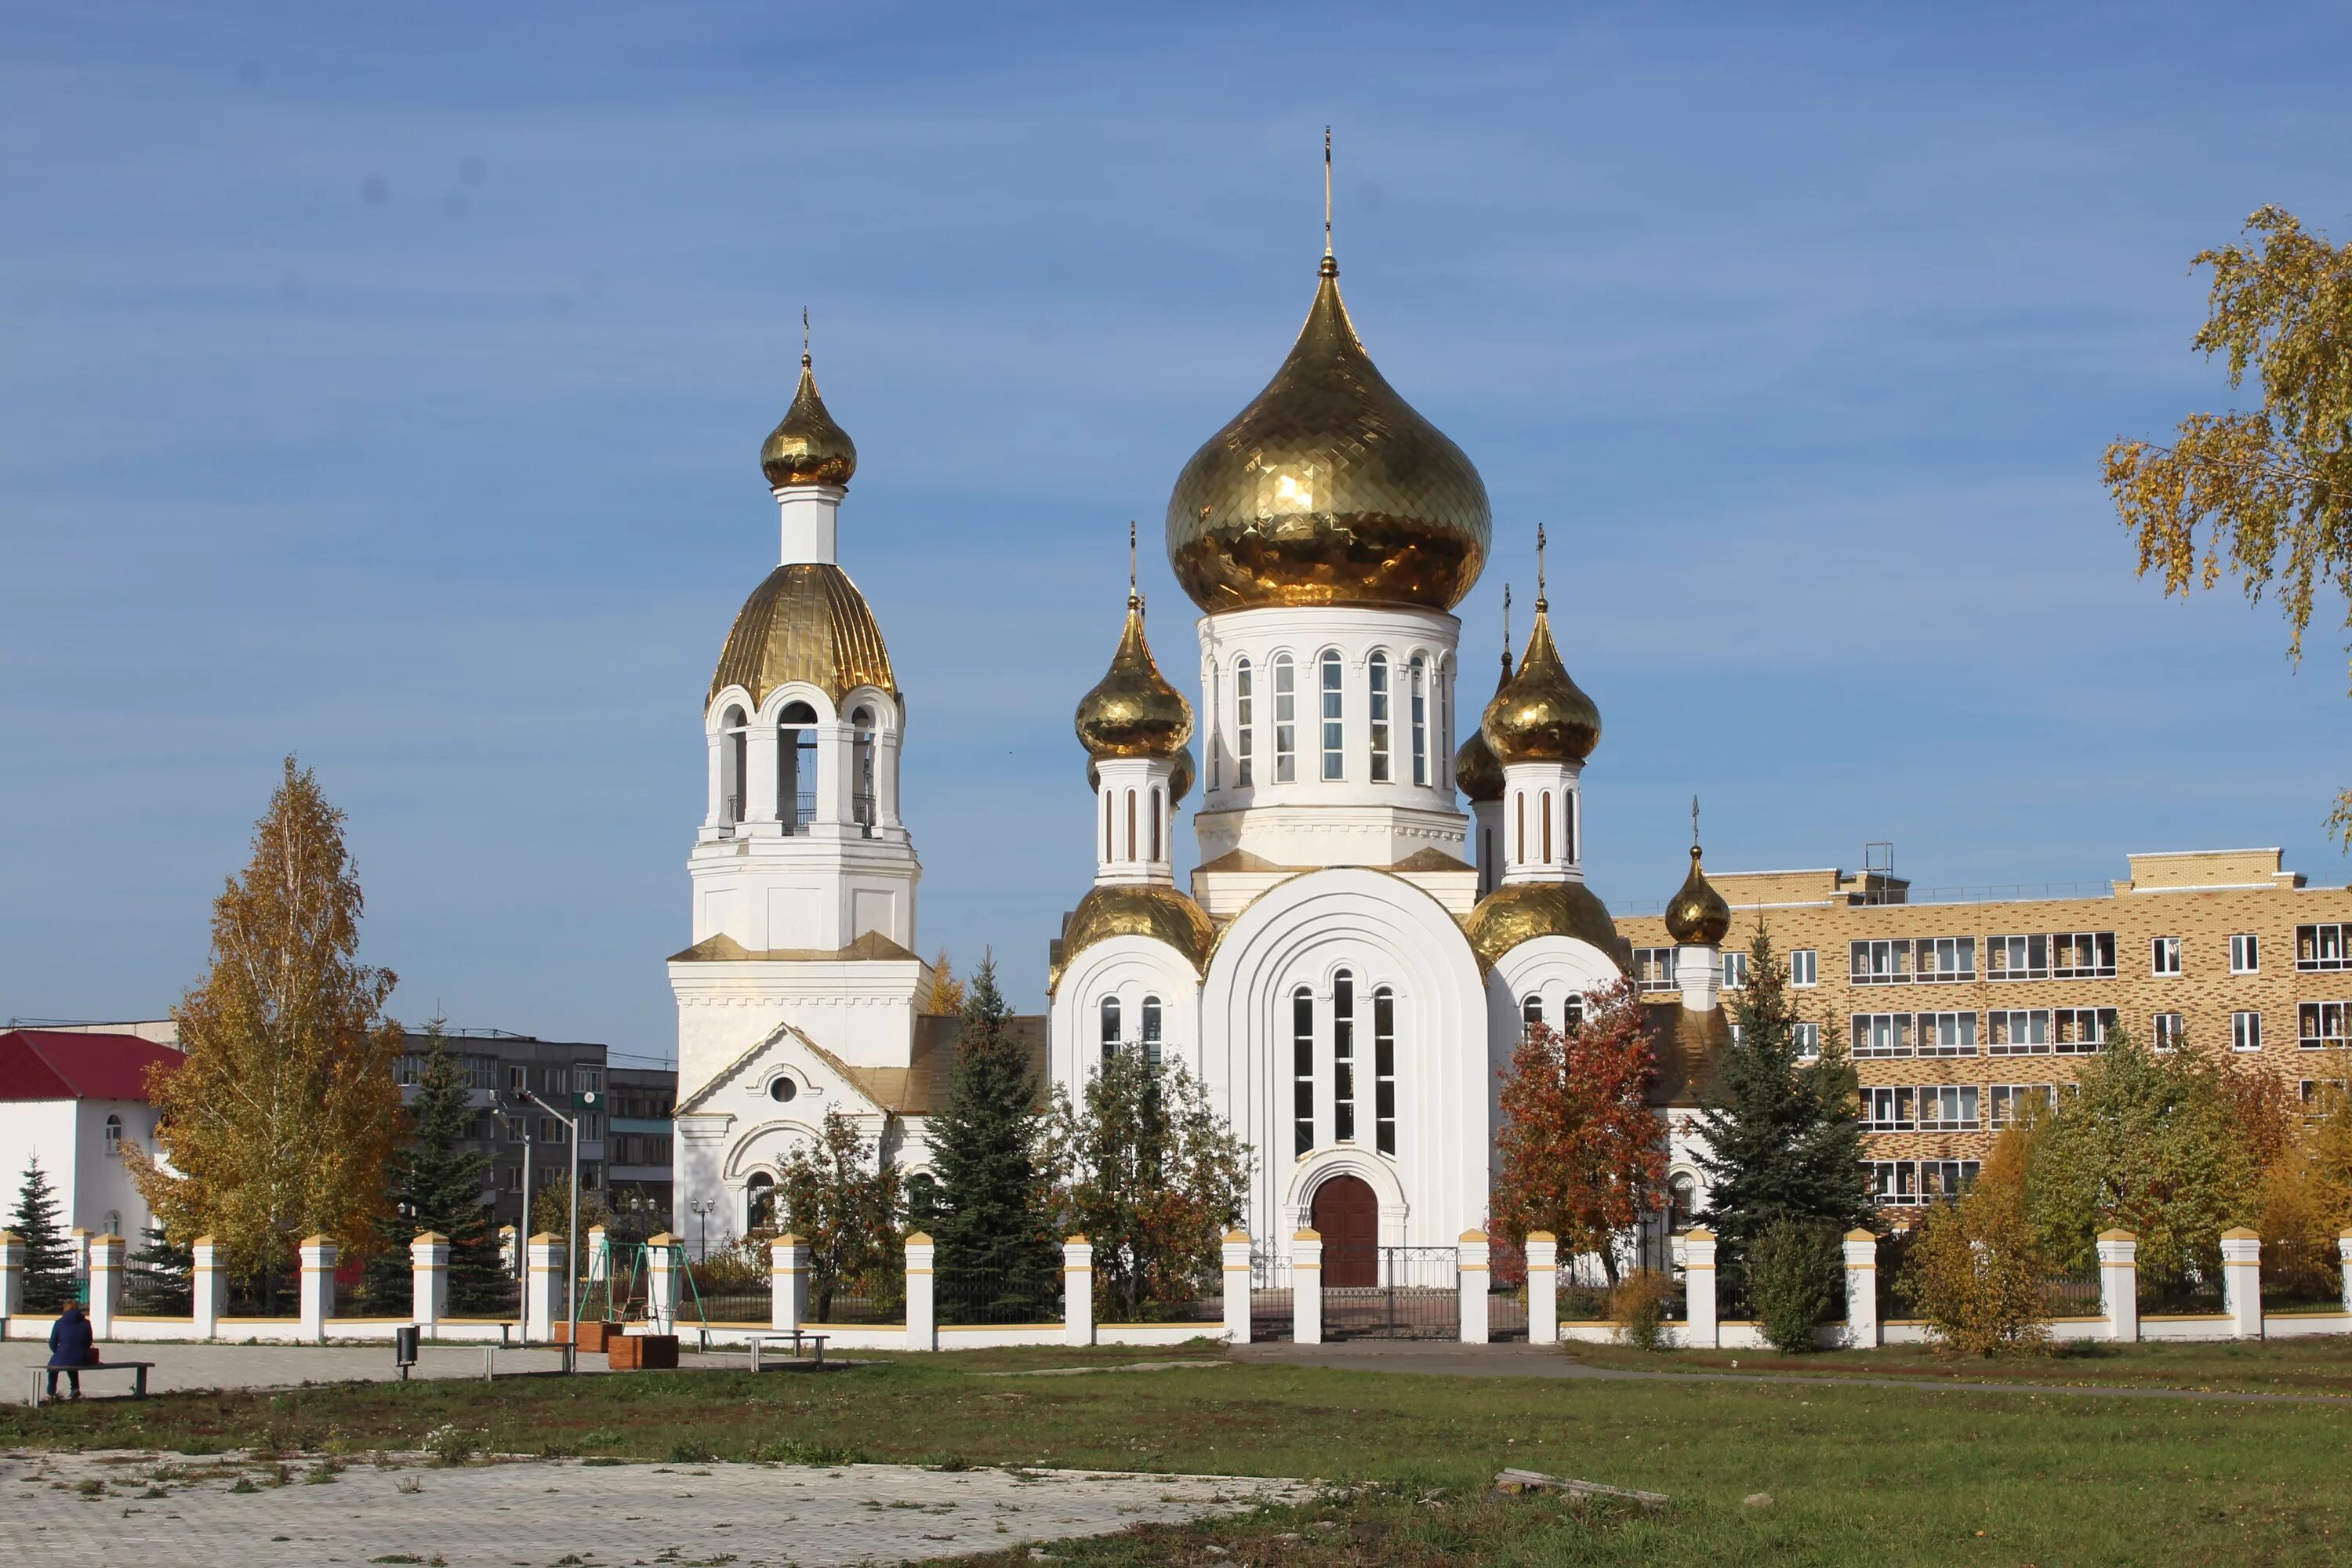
<point x="2317" y="1366"/>
<point x="1859" y="1474"/>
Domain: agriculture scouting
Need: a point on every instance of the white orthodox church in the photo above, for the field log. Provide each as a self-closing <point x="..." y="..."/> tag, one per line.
<point x="1358" y="953"/>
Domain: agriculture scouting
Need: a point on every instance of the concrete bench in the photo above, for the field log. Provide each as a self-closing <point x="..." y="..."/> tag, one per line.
<point x="137" y="1369"/>
<point x="795" y="1335"/>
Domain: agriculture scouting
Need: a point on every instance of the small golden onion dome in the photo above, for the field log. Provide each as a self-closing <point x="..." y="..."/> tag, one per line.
<point x="1521" y="912"/>
<point x="1540" y="715"/>
<point x="807" y="622"/>
<point x="1475" y="767"/>
<point x="1133" y="711"/>
<point x="808" y="447"/>
<point x="1329" y="489"/>
<point x="1136" y="908"/>
<point x="1698" y="913"/>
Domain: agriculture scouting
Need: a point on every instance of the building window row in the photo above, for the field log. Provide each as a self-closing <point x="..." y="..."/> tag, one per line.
<point x="2021" y="1031"/>
<point x="1382" y="679"/>
<point x="1910" y="1183"/>
<point x="2321" y="947"/>
<point x="1345" y="1064"/>
<point x="1903" y="960"/>
<point x="1148" y="1036"/>
<point x="1654" y="968"/>
<point x="1946" y="1108"/>
<point x="2321" y="1025"/>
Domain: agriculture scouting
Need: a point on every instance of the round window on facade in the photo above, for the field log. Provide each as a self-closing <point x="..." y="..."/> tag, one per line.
<point x="782" y="1089"/>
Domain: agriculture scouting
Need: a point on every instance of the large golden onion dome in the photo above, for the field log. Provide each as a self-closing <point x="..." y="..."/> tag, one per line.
<point x="1329" y="489"/>
<point x="1522" y="911"/>
<point x="807" y="622"/>
<point x="1475" y="767"/>
<point x="1698" y="913"/>
<point x="1133" y="711"/>
<point x="1540" y="715"/>
<point x="1136" y="908"/>
<point x="808" y="447"/>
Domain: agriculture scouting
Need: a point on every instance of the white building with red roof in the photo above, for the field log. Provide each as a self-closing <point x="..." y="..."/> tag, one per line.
<point x="71" y="1100"/>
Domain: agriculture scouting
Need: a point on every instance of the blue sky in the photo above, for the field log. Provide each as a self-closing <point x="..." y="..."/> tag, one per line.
<point x="386" y="385"/>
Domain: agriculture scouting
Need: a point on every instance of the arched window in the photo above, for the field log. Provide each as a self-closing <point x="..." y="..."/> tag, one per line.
<point x="1378" y="674"/>
<point x="1130" y="824"/>
<point x="760" y="1202"/>
<point x="1416" y="678"/>
<point x="1571" y="1012"/>
<point x="1530" y="1014"/>
<point x="796" y="766"/>
<point x="1343" y="1058"/>
<point x="1519" y="825"/>
<point x="1216" y="715"/>
<point x="1568" y="809"/>
<point x="1384" y="1070"/>
<point x="735" y="755"/>
<point x="1302" y="1069"/>
<point x="1334" y="740"/>
<point x="1152" y="1030"/>
<point x="1109" y="852"/>
<point x="113" y="1133"/>
<point x="1155" y="822"/>
<point x="1109" y="1027"/>
<point x="111" y="1223"/>
<point x="861" y="799"/>
<point x="1547" y="828"/>
<point x="1682" y="1201"/>
<point x="1245" y="727"/>
<point x="1285" y="720"/>
<point x="1443" y="769"/>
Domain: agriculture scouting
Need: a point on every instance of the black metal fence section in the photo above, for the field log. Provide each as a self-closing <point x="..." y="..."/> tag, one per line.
<point x="2073" y="1296"/>
<point x="734" y="1307"/>
<point x="2191" y="1295"/>
<point x="1416" y="1293"/>
<point x="997" y="1295"/>
<point x="2298" y="1279"/>
<point x="879" y="1300"/>
<point x="1271" y="1301"/>
<point x="1895" y="1293"/>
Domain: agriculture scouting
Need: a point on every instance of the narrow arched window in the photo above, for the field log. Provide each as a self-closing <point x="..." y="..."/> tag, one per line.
<point x="1285" y="720"/>
<point x="1417" y="680"/>
<point x="1245" y="727"/>
<point x="1110" y="850"/>
<point x="737" y="742"/>
<point x="1519" y="825"/>
<point x="1568" y="811"/>
<point x="1215" y="747"/>
<point x="1130" y="824"/>
<point x="1334" y="740"/>
<point x="1547" y="828"/>
<point x="113" y="1133"/>
<point x="861" y="800"/>
<point x="1384" y="1070"/>
<point x="796" y="766"/>
<point x="1571" y="1012"/>
<point x="1152" y="1030"/>
<point x="1155" y="822"/>
<point x="1302" y="1070"/>
<point x="1377" y="674"/>
<point x="1442" y="767"/>
<point x="1109" y="1027"/>
<point x="760" y="1202"/>
<point x="1343" y="1058"/>
<point x="1530" y="1014"/>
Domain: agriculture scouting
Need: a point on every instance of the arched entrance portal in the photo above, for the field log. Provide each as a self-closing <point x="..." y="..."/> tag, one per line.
<point x="1347" y="1217"/>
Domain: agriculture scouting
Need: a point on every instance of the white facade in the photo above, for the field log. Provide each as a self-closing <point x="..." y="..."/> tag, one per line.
<point x="78" y="1144"/>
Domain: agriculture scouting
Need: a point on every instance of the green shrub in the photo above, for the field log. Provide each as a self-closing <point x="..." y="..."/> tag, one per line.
<point x="1638" y="1303"/>
<point x="1795" y="1275"/>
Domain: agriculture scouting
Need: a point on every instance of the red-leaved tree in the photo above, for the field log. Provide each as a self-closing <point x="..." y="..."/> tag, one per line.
<point x="1584" y="1156"/>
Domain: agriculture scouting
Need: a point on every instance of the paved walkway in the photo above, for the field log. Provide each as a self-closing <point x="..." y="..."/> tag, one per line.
<point x="82" y="1508"/>
<point x="1441" y="1358"/>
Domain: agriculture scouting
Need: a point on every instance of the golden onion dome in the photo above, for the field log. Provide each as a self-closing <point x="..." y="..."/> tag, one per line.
<point x="1329" y="489"/>
<point x="807" y="622"/>
<point x="1517" y="912"/>
<point x="1135" y="909"/>
<point x="808" y="447"/>
<point x="1698" y="913"/>
<point x="1540" y="715"/>
<point x="1133" y="711"/>
<point x="1475" y="767"/>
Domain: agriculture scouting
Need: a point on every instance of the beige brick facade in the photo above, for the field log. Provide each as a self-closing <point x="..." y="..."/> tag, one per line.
<point x="2202" y="899"/>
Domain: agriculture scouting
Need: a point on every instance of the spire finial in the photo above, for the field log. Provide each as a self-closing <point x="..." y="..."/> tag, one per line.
<point x="1506" y="623"/>
<point x="1694" y="825"/>
<point x="1541" y="606"/>
<point x="1326" y="190"/>
<point x="804" y="337"/>
<point x="1133" y="598"/>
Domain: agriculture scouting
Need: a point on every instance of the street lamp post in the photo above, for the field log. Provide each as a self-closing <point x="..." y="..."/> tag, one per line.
<point x="571" y="1236"/>
<point x="703" y="1209"/>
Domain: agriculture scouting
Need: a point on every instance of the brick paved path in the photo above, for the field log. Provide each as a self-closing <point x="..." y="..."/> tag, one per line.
<point x="91" y="1508"/>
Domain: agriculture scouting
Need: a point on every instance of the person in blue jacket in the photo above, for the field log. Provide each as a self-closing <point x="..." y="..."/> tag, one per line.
<point x="70" y="1341"/>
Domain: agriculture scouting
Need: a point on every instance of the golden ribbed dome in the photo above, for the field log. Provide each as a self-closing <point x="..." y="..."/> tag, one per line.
<point x="1327" y="489"/>
<point x="1522" y="911"/>
<point x="1133" y="711"/>
<point x="1475" y="767"/>
<point x="1540" y="715"/>
<point x="1698" y="913"/>
<point x="808" y="447"/>
<point x="806" y="622"/>
<point x="1136" y="908"/>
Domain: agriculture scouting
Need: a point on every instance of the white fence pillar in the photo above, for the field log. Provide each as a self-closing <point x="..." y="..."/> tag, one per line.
<point x="106" y="1258"/>
<point x="1235" y="1252"/>
<point x="1472" y="1278"/>
<point x="2119" y="1283"/>
<point x="664" y="1254"/>
<point x="544" y="1287"/>
<point x="319" y="1258"/>
<point x="428" y="1280"/>
<point x="78" y="1245"/>
<point x="1699" y="1289"/>
<point x="1862" y="1330"/>
<point x="1543" y="1288"/>
<point x="12" y="1278"/>
<point x="599" y="1255"/>
<point x="509" y="1243"/>
<point x="2241" y="1281"/>
<point x="208" y="1287"/>
<point x="788" y="1261"/>
<point x="922" y="1311"/>
<point x="1077" y="1291"/>
<point x="1307" y="1289"/>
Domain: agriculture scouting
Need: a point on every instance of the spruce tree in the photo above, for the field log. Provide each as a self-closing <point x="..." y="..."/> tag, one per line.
<point x="1783" y="1140"/>
<point x="995" y="1256"/>
<point x="437" y="1186"/>
<point x="162" y="1276"/>
<point x="49" y="1283"/>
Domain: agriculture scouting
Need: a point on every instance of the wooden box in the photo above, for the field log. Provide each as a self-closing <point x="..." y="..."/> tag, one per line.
<point x="593" y="1335"/>
<point x="642" y="1352"/>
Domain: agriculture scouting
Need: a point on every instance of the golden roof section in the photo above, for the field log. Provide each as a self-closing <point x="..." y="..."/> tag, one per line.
<point x="1522" y="911"/>
<point x="1329" y="489"/>
<point x="1475" y="770"/>
<point x="1540" y="715"/>
<point x="808" y="447"/>
<point x="1141" y="908"/>
<point x="1132" y="712"/>
<point x="807" y="622"/>
<point x="1698" y="913"/>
